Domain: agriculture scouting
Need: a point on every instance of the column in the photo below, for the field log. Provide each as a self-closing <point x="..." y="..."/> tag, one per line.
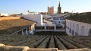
<point x="33" y="30"/>
<point x="26" y="32"/>
<point x="54" y="27"/>
<point x="22" y="32"/>
<point x="45" y="27"/>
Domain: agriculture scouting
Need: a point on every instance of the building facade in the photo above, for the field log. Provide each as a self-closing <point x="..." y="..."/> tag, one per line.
<point x="59" y="21"/>
<point x="75" y="28"/>
<point x="79" y="24"/>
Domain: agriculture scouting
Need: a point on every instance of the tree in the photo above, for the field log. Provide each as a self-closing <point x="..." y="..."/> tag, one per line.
<point x="28" y="11"/>
<point x="15" y="15"/>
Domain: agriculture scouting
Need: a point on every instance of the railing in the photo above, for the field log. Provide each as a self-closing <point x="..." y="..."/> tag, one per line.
<point x="49" y="27"/>
<point x="62" y="30"/>
<point x="39" y="27"/>
<point x="58" y="27"/>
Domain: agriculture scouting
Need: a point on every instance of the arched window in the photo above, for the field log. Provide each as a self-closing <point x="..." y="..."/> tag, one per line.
<point x="82" y="30"/>
<point x="77" y="30"/>
<point x="70" y="27"/>
<point x="73" y="27"/>
<point x="59" y="21"/>
<point x="90" y="32"/>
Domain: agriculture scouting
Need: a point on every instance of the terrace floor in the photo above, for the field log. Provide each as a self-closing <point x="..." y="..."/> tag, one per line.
<point x="45" y="41"/>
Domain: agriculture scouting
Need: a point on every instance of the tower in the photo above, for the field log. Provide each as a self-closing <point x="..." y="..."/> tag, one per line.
<point x="51" y="10"/>
<point x="59" y="8"/>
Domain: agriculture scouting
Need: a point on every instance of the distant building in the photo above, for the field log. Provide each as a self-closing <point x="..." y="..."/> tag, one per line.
<point x="3" y="14"/>
<point x="42" y="12"/>
<point x="51" y="10"/>
<point x="57" y="19"/>
<point x="59" y="8"/>
<point x="32" y="13"/>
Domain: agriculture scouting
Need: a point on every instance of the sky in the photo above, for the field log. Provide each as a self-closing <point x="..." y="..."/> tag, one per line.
<point x="22" y="6"/>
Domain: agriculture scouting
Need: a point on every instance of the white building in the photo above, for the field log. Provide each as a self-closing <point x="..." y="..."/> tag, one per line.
<point x="33" y="13"/>
<point x="81" y="27"/>
<point x="57" y="19"/>
<point x="3" y="14"/>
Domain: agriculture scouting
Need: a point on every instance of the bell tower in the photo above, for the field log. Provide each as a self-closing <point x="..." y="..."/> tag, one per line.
<point x="59" y="8"/>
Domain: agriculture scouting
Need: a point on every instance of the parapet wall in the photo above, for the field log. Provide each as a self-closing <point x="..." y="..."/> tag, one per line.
<point x="9" y="18"/>
<point x="26" y="48"/>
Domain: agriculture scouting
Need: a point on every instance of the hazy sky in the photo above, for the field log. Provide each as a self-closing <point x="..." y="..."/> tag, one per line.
<point x="18" y="6"/>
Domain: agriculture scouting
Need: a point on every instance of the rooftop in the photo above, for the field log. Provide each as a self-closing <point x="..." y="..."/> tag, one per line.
<point x="82" y="17"/>
<point x="13" y="25"/>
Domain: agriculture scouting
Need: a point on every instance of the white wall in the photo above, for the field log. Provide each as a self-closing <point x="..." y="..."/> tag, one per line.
<point x="77" y="29"/>
<point x="37" y="18"/>
<point x="48" y="23"/>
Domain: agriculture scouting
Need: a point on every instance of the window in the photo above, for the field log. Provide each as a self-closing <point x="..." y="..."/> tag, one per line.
<point x="59" y="21"/>
<point x="82" y="30"/>
<point x="70" y="30"/>
<point x="89" y="32"/>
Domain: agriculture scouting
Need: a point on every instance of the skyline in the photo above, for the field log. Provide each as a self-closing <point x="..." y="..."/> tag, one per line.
<point x="22" y="6"/>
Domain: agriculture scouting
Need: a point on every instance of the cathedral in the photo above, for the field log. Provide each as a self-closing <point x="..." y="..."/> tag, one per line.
<point x="59" y="8"/>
